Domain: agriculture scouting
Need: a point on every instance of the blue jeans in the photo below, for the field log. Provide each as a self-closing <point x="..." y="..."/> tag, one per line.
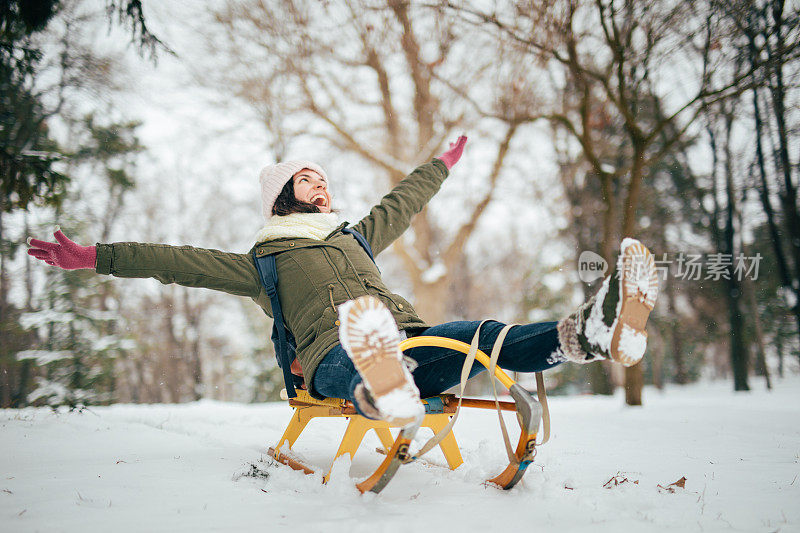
<point x="527" y="348"/>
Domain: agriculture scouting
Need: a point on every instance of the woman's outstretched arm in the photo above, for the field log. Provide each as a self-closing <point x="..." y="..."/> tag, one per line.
<point x="392" y="216"/>
<point x="184" y="265"/>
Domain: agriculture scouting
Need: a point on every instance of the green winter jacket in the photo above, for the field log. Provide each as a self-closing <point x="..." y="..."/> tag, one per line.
<point x="313" y="276"/>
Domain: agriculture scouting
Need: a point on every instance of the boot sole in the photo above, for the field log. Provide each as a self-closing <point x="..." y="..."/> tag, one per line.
<point x="369" y="335"/>
<point x="639" y="287"/>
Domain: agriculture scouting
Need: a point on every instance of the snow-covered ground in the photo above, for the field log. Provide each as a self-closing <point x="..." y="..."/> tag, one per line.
<point x="179" y="468"/>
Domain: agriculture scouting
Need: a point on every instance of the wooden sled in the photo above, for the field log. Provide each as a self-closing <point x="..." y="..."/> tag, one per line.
<point x="438" y="412"/>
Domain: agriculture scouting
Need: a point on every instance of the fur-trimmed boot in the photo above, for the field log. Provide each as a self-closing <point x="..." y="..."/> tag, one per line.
<point x="612" y="323"/>
<point x="369" y="335"/>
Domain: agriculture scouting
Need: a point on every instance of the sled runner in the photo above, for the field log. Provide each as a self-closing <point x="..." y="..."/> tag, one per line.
<point x="440" y="414"/>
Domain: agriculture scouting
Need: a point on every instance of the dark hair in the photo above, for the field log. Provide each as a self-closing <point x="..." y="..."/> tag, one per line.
<point x="286" y="203"/>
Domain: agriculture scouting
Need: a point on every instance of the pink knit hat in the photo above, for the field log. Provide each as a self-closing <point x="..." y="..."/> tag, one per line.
<point x="274" y="177"/>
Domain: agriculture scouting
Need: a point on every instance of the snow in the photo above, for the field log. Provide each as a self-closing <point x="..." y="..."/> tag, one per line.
<point x="43" y="318"/>
<point x="596" y="330"/>
<point x="373" y="322"/>
<point x="401" y="403"/>
<point x="632" y="342"/>
<point x="202" y="467"/>
<point x="627" y="242"/>
<point x="57" y="392"/>
<point x="43" y="357"/>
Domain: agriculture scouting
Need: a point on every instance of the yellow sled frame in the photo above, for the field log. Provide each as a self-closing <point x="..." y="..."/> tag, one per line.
<point x="439" y="410"/>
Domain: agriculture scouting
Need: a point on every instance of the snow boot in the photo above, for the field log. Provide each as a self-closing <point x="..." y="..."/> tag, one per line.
<point x="369" y="335"/>
<point x="612" y="323"/>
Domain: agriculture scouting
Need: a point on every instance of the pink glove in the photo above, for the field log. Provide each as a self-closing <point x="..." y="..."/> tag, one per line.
<point x="64" y="254"/>
<point x="451" y="157"/>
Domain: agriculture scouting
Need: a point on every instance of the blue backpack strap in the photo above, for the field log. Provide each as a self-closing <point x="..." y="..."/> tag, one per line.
<point x="361" y="240"/>
<point x="269" y="278"/>
<point x="268" y="273"/>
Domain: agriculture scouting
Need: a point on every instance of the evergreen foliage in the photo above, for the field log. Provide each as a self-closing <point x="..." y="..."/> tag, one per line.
<point x="76" y="361"/>
<point x="27" y="152"/>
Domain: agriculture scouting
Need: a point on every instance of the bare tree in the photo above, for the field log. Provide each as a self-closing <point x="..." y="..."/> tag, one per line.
<point x="771" y="32"/>
<point x="385" y="81"/>
<point x="619" y="62"/>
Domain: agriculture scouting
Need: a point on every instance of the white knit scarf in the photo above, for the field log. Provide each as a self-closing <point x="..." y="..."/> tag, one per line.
<point x="304" y="225"/>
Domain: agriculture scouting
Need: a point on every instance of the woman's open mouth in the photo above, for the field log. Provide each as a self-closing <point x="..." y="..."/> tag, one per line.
<point x="319" y="200"/>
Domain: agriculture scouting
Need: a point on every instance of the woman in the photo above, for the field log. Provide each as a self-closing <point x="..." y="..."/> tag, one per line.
<point x="346" y="323"/>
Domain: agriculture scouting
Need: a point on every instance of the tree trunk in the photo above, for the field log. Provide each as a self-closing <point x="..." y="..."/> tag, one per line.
<point x="778" y="91"/>
<point x="779" y="348"/>
<point x="738" y="346"/>
<point x="634" y="376"/>
<point x="681" y="374"/>
<point x="193" y="318"/>
<point x="3" y="274"/>
<point x="761" y="357"/>
<point x="600" y="379"/>
<point x="763" y="190"/>
<point x="6" y="371"/>
<point x="752" y="303"/>
<point x="657" y="350"/>
<point x="25" y="371"/>
<point x="430" y="300"/>
<point x="609" y="218"/>
<point x="172" y="371"/>
<point x="738" y="350"/>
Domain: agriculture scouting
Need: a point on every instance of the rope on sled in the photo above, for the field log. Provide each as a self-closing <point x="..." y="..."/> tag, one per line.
<point x="498" y="344"/>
